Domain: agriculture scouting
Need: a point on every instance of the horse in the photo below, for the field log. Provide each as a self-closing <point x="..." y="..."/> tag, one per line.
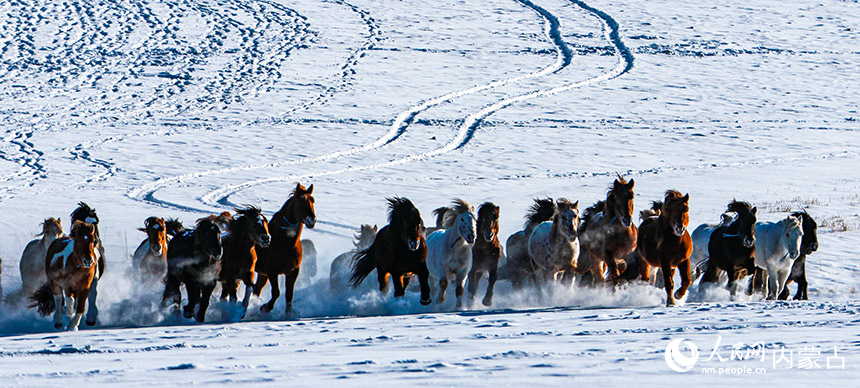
<point x="439" y="213"/>
<point x="283" y="256"/>
<point x="518" y="264"/>
<point x="87" y="214"/>
<point x="664" y="242"/>
<point x="730" y="246"/>
<point x="173" y="227"/>
<point x="399" y="250"/>
<point x="150" y="257"/>
<point x="340" y="270"/>
<point x="449" y="251"/>
<point x="609" y="235"/>
<point x="70" y="266"/>
<point x="248" y="231"/>
<point x="486" y="252"/>
<point x="193" y="259"/>
<point x="777" y="247"/>
<point x="554" y="245"/>
<point x="32" y="264"/>
<point x="808" y="244"/>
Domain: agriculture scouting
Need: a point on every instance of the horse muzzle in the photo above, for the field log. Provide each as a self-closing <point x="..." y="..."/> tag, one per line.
<point x="626" y="221"/>
<point x="749" y="242"/>
<point x="470" y="239"/>
<point x="489" y="236"/>
<point x="265" y="240"/>
<point x="812" y="248"/>
<point x="88" y="263"/>
<point x="679" y="231"/>
<point x="413" y="244"/>
<point x="310" y="222"/>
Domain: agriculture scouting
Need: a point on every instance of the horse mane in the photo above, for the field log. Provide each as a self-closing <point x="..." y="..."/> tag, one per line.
<point x="83" y="210"/>
<point x="439" y="212"/>
<point x="673" y="194"/>
<point x="590" y="212"/>
<point x="564" y="204"/>
<point x="47" y="221"/>
<point x="739" y="207"/>
<point x="238" y="225"/>
<point x="541" y="210"/>
<point x="458" y="207"/>
<point x="621" y="179"/>
<point x="173" y="226"/>
<point x="486" y="207"/>
<point x="398" y="209"/>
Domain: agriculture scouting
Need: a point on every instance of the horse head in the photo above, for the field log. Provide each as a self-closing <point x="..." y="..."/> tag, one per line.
<point x="207" y="239"/>
<point x="676" y="210"/>
<point x="84" y="236"/>
<point x="303" y="209"/>
<point x="809" y="243"/>
<point x="619" y="202"/>
<point x="488" y="221"/>
<point x="52" y="227"/>
<point x="567" y="218"/>
<point x="404" y="217"/>
<point x="365" y="236"/>
<point x="462" y="217"/>
<point x="173" y="226"/>
<point x="156" y="233"/>
<point x="793" y="235"/>
<point x="87" y="214"/>
<point x="252" y="222"/>
<point x="743" y="226"/>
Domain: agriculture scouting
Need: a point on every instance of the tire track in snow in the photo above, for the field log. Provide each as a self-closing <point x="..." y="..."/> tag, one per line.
<point x="465" y="132"/>
<point x="564" y="56"/>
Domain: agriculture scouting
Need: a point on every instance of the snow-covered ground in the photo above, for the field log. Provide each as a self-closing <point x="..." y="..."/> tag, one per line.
<point x="184" y="108"/>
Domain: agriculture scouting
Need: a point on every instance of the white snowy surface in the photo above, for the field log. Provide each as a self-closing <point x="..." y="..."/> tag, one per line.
<point x="183" y="108"/>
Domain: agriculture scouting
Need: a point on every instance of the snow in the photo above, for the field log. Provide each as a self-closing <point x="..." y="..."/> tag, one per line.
<point x="186" y="108"/>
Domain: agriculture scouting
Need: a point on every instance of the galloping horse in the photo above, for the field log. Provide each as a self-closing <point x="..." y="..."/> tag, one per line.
<point x="610" y="235"/>
<point x="518" y="264"/>
<point x="554" y="245"/>
<point x="284" y="253"/>
<point x="193" y="258"/>
<point x="248" y="231"/>
<point x="664" y="242"/>
<point x="87" y="214"/>
<point x="71" y="270"/>
<point x="777" y="247"/>
<point x="150" y="257"/>
<point x="449" y="251"/>
<point x="32" y="263"/>
<point x="340" y="269"/>
<point x="486" y="252"/>
<point x="399" y="250"/>
<point x="808" y="244"/>
<point x="730" y="246"/>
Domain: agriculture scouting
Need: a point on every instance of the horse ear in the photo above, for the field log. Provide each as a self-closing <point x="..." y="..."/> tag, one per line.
<point x="630" y="185"/>
<point x="310" y="189"/>
<point x="576" y="205"/>
<point x="299" y="188"/>
<point x="686" y="198"/>
<point x="375" y="229"/>
<point x="754" y="209"/>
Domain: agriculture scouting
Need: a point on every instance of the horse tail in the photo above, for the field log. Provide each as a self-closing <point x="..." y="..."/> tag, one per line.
<point x="700" y="269"/>
<point x="43" y="300"/>
<point x="363" y="263"/>
<point x="634" y="267"/>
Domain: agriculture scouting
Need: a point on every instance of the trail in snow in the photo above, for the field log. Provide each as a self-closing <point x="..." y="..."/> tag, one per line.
<point x="398" y="127"/>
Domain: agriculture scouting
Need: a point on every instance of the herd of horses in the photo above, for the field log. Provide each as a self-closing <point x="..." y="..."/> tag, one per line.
<point x="600" y="246"/>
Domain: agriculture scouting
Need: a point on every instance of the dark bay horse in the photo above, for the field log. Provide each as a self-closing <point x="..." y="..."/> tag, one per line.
<point x="731" y="247"/>
<point x="193" y="259"/>
<point x="610" y="235"/>
<point x="283" y="256"/>
<point x="247" y="231"/>
<point x="150" y="257"/>
<point x="32" y="264"/>
<point x="87" y="214"/>
<point x="664" y="242"/>
<point x="518" y="266"/>
<point x="399" y="250"/>
<point x="486" y="252"/>
<point x="70" y="265"/>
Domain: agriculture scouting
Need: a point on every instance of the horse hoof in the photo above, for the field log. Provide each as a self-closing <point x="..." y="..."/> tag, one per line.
<point x="487" y="302"/>
<point x="425" y="302"/>
<point x="58" y="326"/>
<point x="266" y="308"/>
<point x="201" y="318"/>
<point x="188" y="314"/>
<point x="670" y="303"/>
<point x="90" y="323"/>
<point x="679" y="295"/>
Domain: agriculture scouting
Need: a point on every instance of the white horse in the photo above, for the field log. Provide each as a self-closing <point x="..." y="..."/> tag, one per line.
<point x="449" y="251"/>
<point x="32" y="263"/>
<point x="777" y="247"/>
<point x="341" y="270"/>
<point x="554" y="245"/>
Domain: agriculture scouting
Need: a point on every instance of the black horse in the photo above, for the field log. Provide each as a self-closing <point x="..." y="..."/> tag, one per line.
<point x="193" y="258"/>
<point x="731" y="247"/>
<point x="87" y="214"/>
<point x="808" y="244"/>
<point x="399" y="250"/>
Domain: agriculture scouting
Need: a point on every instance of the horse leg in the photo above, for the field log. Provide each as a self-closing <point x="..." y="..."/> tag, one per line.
<point x="785" y="293"/>
<point x="668" y="282"/>
<point x="423" y="281"/>
<point x="58" y="307"/>
<point x="801" y="288"/>
<point x="405" y="279"/>
<point x="712" y="274"/>
<point x="204" y="301"/>
<point x="443" y="286"/>
<point x="230" y="288"/>
<point x="644" y="270"/>
<point x="383" y="280"/>
<point x="472" y="280"/>
<point x="80" y="308"/>
<point x="459" y="290"/>
<point x="609" y="258"/>
<point x="488" y="297"/>
<point x="289" y="286"/>
<point x="262" y="279"/>
<point x="781" y="277"/>
<point x="399" y="288"/>
<point x="276" y="292"/>
<point x="686" y="278"/>
<point x="68" y="304"/>
<point x="249" y="289"/>
<point x="193" y="291"/>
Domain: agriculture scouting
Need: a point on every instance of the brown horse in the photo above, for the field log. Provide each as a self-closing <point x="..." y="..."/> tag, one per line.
<point x="32" y="264"/>
<point x="150" y="257"/>
<point x="665" y="242"/>
<point x="71" y="266"/>
<point x="284" y="254"/>
<point x="248" y="231"/>
<point x="609" y="236"/>
<point x="399" y="250"/>
<point x="486" y="252"/>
